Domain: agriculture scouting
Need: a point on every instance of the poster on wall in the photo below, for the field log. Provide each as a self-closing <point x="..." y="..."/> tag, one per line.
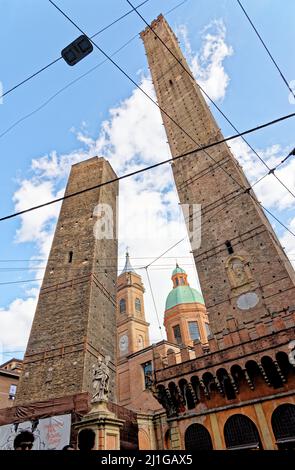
<point x="50" y="433"/>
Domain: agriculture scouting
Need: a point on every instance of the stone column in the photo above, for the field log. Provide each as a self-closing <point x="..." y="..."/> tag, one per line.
<point x="105" y="425"/>
<point x="175" y="437"/>
<point x="263" y="427"/>
<point x="217" y="439"/>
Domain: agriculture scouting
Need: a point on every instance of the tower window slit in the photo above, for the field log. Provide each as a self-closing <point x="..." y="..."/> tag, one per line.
<point x="70" y="256"/>
<point x="229" y="247"/>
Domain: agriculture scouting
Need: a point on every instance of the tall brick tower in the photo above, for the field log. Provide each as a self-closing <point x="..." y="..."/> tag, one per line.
<point x="75" y="319"/>
<point x="243" y="270"/>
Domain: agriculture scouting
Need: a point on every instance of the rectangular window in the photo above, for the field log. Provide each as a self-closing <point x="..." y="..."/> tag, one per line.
<point x="177" y="334"/>
<point x="12" y="391"/>
<point x="194" y="330"/>
<point x="148" y="373"/>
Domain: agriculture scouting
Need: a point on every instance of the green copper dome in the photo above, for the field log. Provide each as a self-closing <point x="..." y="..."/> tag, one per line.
<point x="183" y="295"/>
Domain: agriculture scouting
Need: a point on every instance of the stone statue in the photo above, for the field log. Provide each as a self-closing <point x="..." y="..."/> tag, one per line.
<point x="238" y="272"/>
<point x="291" y="355"/>
<point x="149" y="381"/>
<point x="101" y="376"/>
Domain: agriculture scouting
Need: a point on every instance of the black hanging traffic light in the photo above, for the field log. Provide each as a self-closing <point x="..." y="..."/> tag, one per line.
<point x="77" y="50"/>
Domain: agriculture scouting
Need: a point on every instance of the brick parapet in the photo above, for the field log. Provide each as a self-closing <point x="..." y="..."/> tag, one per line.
<point x="227" y="356"/>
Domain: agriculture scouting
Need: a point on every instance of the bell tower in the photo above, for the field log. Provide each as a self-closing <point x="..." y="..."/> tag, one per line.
<point x="243" y="270"/>
<point x="132" y="328"/>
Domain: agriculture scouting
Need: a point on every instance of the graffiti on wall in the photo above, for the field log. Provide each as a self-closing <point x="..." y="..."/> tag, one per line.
<point x="50" y="433"/>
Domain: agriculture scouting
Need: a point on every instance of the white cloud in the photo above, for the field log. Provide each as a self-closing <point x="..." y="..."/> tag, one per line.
<point x="15" y="324"/>
<point x="207" y="64"/>
<point x="33" y="224"/>
<point x="54" y="166"/>
<point x="288" y="241"/>
<point x="150" y="219"/>
<point x="270" y="191"/>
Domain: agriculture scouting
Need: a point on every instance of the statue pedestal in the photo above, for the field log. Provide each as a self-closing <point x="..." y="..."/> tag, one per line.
<point x="105" y="424"/>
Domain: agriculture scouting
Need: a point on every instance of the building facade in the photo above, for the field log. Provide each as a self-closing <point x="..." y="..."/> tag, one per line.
<point x="9" y="377"/>
<point x="238" y="395"/>
<point x="238" y="390"/>
<point x="185" y="322"/>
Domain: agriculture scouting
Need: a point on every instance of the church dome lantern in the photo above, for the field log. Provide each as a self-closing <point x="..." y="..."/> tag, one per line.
<point x="185" y="317"/>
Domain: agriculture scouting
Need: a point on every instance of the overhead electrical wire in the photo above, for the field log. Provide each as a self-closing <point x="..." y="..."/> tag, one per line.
<point x="48" y="100"/>
<point x="68" y="85"/>
<point x="146" y="267"/>
<point x="119" y="257"/>
<point x="108" y="268"/>
<point x="175" y="244"/>
<point x="19" y="282"/>
<point x="166" y="251"/>
<point x="59" y="58"/>
<point x="11" y="352"/>
<point x="154" y="269"/>
<point x="133" y="9"/>
<point x="137" y="86"/>
<point x="102" y="258"/>
<point x="181" y="240"/>
<point x="127" y="175"/>
<point x="157" y="267"/>
<point x="210" y="99"/>
<point x="154" y="301"/>
<point x="267" y="49"/>
<point x="149" y="168"/>
<point x="271" y="171"/>
<point x="186" y="261"/>
<point x="93" y="36"/>
<point x="163" y="111"/>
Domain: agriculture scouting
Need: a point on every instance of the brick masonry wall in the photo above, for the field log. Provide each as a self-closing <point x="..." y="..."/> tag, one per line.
<point x="215" y="180"/>
<point x="75" y="317"/>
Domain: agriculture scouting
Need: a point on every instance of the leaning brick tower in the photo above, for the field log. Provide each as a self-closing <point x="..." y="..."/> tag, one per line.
<point x="244" y="273"/>
<point x="75" y="319"/>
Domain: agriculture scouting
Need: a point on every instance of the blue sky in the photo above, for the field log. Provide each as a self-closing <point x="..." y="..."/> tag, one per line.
<point x="103" y="114"/>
